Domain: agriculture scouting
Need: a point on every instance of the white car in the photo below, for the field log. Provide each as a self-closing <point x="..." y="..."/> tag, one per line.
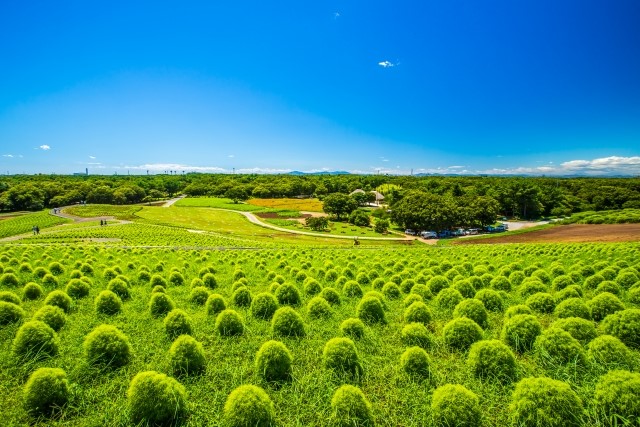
<point x="429" y="235"/>
<point x="410" y="232"/>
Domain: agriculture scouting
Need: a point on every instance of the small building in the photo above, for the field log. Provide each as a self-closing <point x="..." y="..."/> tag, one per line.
<point x="379" y="198"/>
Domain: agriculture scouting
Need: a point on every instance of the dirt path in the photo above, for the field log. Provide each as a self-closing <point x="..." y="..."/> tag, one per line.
<point x="170" y="203"/>
<point x="573" y="233"/>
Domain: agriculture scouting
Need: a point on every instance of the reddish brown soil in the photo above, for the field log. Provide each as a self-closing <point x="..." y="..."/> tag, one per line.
<point x="275" y="215"/>
<point x="573" y="233"/>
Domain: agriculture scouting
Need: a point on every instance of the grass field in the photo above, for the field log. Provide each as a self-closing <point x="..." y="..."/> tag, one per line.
<point x="335" y="228"/>
<point x="217" y="202"/>
<point x="98" y="396"/>
<point x="91" y="211"/>
<point x="304" y="205"/>
<point x="24" y="223"/>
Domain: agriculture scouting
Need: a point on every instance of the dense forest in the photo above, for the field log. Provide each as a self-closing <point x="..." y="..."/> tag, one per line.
<point x="524" y="197"/>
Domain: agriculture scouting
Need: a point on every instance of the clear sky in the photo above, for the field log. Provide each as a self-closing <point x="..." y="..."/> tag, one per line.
<point x="474" y="86"/>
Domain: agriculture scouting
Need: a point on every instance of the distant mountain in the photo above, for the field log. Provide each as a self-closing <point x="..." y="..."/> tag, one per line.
<point x="319" y="173"/>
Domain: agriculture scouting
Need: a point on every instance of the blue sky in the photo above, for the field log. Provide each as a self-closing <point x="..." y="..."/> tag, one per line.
<point x="503" y="86"/>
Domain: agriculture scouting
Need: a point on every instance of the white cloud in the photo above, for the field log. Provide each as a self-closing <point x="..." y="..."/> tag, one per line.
<point x="45" y="147"/>
<point x="456" y="167"/>
<point x="92" y="157"/>
<point x="94" y="163"/>
<point x="386" y="64"/>
<point x="8" y="155"/>
<point x="336" y="15"/>
<point x="231" y="156"/>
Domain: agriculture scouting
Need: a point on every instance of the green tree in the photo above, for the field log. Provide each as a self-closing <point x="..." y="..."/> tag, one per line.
<point x="237" y="194"/>
<point x="339" y="205"/>
<point x="381" y="226"/>
<point x="422" y="211"/>
<point x="360" y="218"/>
<point x="317" y="223"/>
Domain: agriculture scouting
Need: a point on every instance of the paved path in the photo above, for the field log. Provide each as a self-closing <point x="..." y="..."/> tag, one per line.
<point x="169" y="203"/>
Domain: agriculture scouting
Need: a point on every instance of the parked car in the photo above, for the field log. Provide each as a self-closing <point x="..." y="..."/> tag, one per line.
<point x="429" y="235"/>
<point x="472" y="231"/>
<point x="444" y="233"/>
<point x="410" y="232"/>
<point x="458" y="232"/>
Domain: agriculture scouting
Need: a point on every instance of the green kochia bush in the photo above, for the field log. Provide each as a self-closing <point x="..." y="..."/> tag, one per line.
<point x="160" y="304"/>
<point x="415" y="361"/>
<point x="370" y="310"/>
<point x="46" y="392"/>
<point x="581" y="329"/>
<point x="10" y="313"/>
<point x="514" y="310"/>
<point x="32" y="291"/>
<point x="229" y="323"/>
<point x="52" y="316"/>
<point x="609" y="351"/>
<point x="35" y="340"/>
<point x="108" y="303"/>
<point x="460" y="333"/>
<point x="541" y="302"/>
<point x="59" y="299"/>
<point x="249" y="405"/>
<point x="353" y="328"/>
<point x="573" y="307"/>
<point x="215" y="304"/>
<point x="418" y="312"/>
<point x="199" y="295"/>
<point x="558" y="347"/>
<point x="186" y="356"/>
<point x="545" y="402"/>
<point x="351" y="408"/>
<point x="106" y="345"/>
<point x="331" y="295"/>
<point x="273" y="361"/>
<point x="286" y="322"/>
<point x="77" y="288"/>
<point x="318" y="307"/>
<point x="177" y="323"/>
<point x="604" y="304"/>
<point x="416" y="334"/>
<point x="492" y="359"/>
<point x="119" y="287"/>
<point x="288" y="294"/>
<point x="448" y="298"/>
<point x="617" y="397"/>
<point x="264" y="305"/>
<point x="352" y="289"/>
<point x="625" y="325"/>
<point x="521" y="331"/>
<point x="242" y="297"/>
<point x="473" y="309"/>
<point x="455" y="405"/>
<point x="340" y="355"/>
<point x="491" y="299"/>
<point x="8" y="296"/>
<point x="155" y="398"/>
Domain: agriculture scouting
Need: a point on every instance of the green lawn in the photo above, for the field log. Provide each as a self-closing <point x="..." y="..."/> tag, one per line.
<point x="96" y="210"/>
<point x="335" y="228"/>
<point x="24" y="223"/>
<point x="217" y="202"/>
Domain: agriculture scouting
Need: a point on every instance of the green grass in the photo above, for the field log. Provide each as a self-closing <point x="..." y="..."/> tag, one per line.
<point x="217" y="202"/>
<point x="623" y="216"/>
<point x="91" y="211"/>
<point x="335" y="229"/>
<point x="24" y="223"/>
<point x="99" y="397"/>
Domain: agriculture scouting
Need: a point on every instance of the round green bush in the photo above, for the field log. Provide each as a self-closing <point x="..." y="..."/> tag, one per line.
<point x="242" y="297"/>
<point x="32" y="291"/>
<point x="561" y="282"/>
<point x="215" y="304"/>
<point x="286" y="322"/>
<point x="437" y="283"/>
<point x="158" y="280"/>
<point x="556" y="346"/>
<point x="521" y="331"/>
<point x="353" y="328"/>
<point x="186" y="356"/>
<point x="106" y="345"/>
<point x="380" y="296"/>
<point x="199" y="295"/>
<point x="391" y="291"/>
<point x="573" y="307"/>
<point x="545" y="402"/>
<point x="460" y="333"/>
<point x="176" y="278"/>
<point x="9" y="280"/>
<point x="530" y="287"/>
<point x="77" y="288"/>
<point x="8" y="296"/>
<point x="491" y="299"/>
<point x="35" y="340"/>
<point x="407" y="285"/>
<point x="370" y="310"/>
<point x="609" y="351"/>
<point x="415" y="361"/>
<point x="331" y="295"/>
<point x="473" y="309"/>
<point x="352" y="289"/>
<point x="627" y="279"/>
<point x="46" y="392"/>
<point x="10" y="313"/>
<point x="609" y="286"/>
<point x="249" y="405"/>
<point x="625" y="325"/>
<point x="158" y="289"/>
<point x="156" y="399"/>
<point x="573" y="291"/>
<point x="160" y="304"/>
<point x="264" y="305"/>
<point x="177" y="323"/>
<point x="603" y="305"/>
<point x="514" y="310"/>
<point x="464" y="286"/>
<point x="287" y="294"/>
<point x="410" y="299"/>
<point x="52" y="316"/>
<point x="312" y="286"/>
<point x="339" y="354"/>
<point x="50" y="280"/>
<point x="318" y="307"/>
<point x="273" y="361"/>
<point x="229" y="323"/>
<point x="541" y="302"/>
<point x="418" y="312"/>
<point x="492" y="359"/>
<point x="455" y="405"/>
<point x="59" y="299"/>
<point x="108" y="303"/>
<point x="501" y="283"/>
<point x="422" y="290"/>
<point x="416" y="334"/>
<point x="617" y="397"/>
<point x="581" y="329"/>
<point x="448" y="298"/>
<point x="351" y="408"/>
<point x="119" y="287"/>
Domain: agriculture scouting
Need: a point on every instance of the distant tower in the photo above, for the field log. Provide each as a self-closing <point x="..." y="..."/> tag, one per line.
<point x="86" y="171"/>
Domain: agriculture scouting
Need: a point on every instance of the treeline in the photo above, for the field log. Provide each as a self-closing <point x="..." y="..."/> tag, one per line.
<point x="524" y="197"/>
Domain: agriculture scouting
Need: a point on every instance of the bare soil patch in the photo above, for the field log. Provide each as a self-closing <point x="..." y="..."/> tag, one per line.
<point x="274" y="215"/>
<point x="573" y="233"/>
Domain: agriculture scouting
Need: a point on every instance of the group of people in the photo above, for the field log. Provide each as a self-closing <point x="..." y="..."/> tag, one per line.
<point x="103" y="222"/>
<point x="36" y="229"/>
<point x="56" y="210"/>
